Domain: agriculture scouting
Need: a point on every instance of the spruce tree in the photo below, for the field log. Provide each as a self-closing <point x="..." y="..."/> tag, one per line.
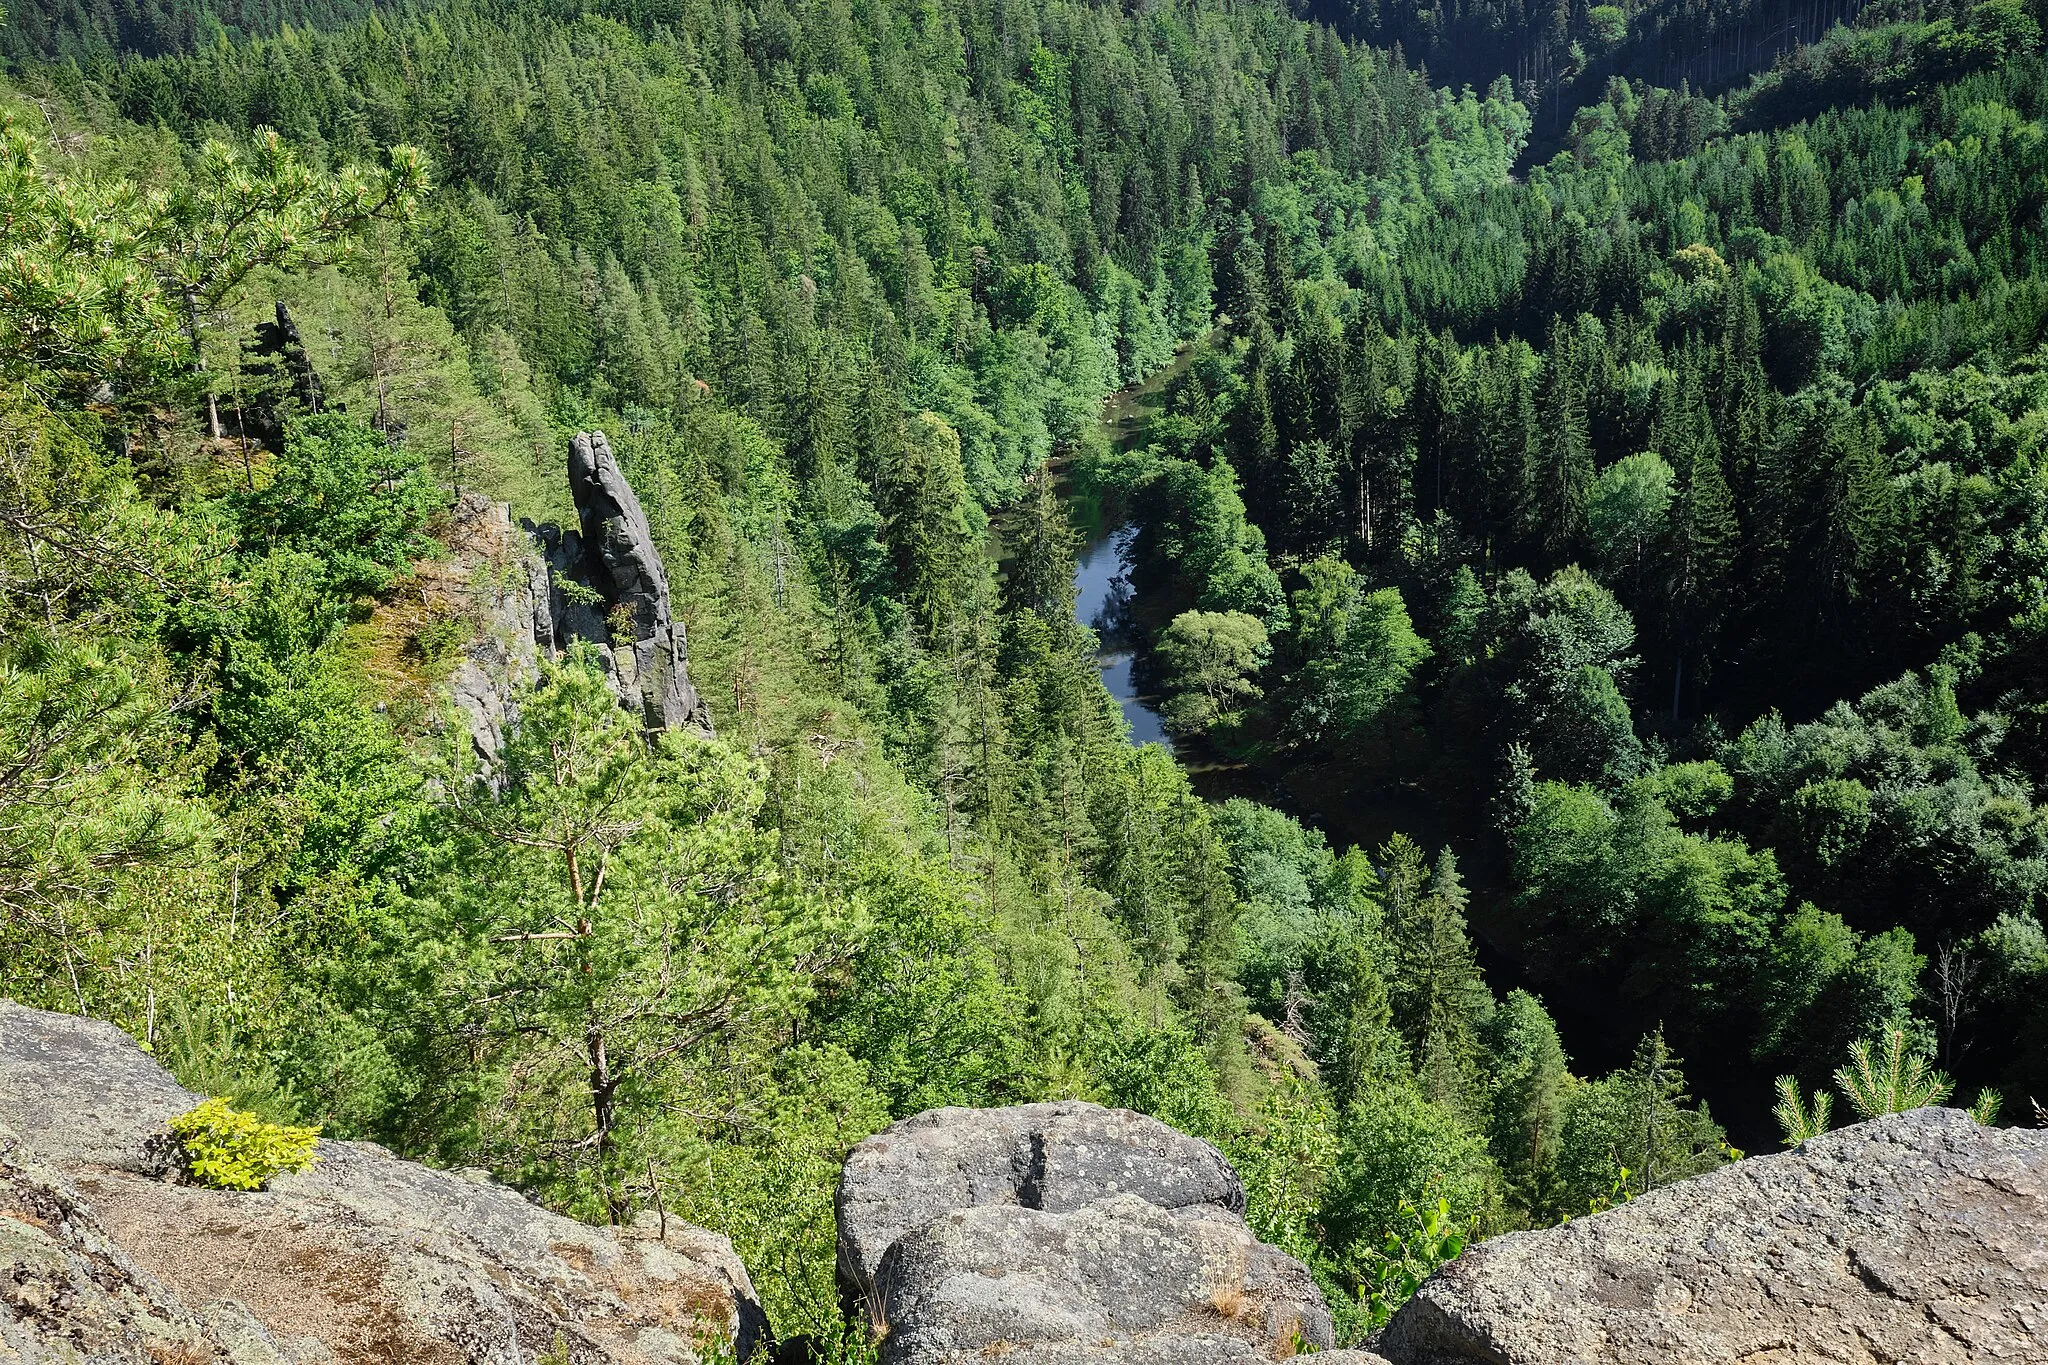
<point x="1439" y="998"/>
<point x="1704" y="535"/>
<point x="1563" y="471"/>
<point x="1669" y="1139"/>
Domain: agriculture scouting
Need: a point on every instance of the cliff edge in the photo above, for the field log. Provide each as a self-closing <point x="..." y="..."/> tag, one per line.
<point x="1041" y="1234"/>
<point x="365" y="1260"/>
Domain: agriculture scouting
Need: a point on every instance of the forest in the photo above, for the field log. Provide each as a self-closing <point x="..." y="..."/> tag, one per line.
<point x="1593" y="560"/>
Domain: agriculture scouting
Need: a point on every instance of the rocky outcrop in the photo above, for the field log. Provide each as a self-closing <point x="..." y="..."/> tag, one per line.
<point x="621" y="563"/>
<point x="1916" y="1237"/>
<point x="278" y="379"/>
<point x="1063" y="1232"/>
<point x="366" y="1259"/>
<point x="1039" y="1235"/>
<point x="536" y="591"/>
<point x="504" y="593"/>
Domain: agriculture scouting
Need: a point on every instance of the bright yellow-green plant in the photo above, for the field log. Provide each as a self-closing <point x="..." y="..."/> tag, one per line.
<point x="230" y="1149"/>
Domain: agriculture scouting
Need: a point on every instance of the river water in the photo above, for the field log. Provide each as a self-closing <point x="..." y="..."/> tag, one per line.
<point x="1102" y="592"/>
<point x="1101" y="579"/>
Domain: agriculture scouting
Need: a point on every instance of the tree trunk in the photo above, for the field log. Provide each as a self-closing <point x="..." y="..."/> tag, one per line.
<point x="604" y="1110"/>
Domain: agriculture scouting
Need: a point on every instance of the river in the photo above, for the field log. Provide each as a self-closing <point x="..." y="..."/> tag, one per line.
<point x="1101" y="591"/>
<point x="1101" y="581"/>
<point x="1348" y="817"/>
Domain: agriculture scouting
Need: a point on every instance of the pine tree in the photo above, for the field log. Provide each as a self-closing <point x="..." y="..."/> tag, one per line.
<point x="1506" y="440"/>
<point x="1041" y="543"/>
<point x="931" y="525"/>
<point x="1403" y="878"/>
<point x="1800" y="1120"/>
<point x="1380" y="451"/>
<point x="1433" y="411"/>
<point x="1888" y="1076"/>
<point x="1255" y="432"/>
<point x="1367" y="1049"/>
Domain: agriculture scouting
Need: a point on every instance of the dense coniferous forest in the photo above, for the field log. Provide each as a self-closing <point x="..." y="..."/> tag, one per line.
<point x="1625" y="569"/>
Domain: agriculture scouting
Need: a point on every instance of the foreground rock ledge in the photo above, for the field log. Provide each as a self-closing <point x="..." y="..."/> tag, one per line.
<point x="366" y="1260"/>
<point x="1064" y="1232"/>
<point x="1919" y="1237"/>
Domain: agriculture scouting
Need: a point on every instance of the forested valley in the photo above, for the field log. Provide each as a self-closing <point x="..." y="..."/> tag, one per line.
<point x="1596" y="527"/>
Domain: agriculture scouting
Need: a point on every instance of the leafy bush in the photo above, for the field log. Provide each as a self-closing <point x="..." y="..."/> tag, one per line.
<point x="1432" y="1239"/>
<point x="230" y="1149"/>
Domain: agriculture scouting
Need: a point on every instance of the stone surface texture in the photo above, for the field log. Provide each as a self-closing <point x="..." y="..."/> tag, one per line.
<point x="499" y="582"/>
<point x="68" y="1293"/>
<point x="364" y="1260"/>
<point x="1063" y="1232"/>
<point x="1918" y="1237"/>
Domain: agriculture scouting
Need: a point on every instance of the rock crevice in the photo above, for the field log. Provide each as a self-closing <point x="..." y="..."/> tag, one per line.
<point x="1064" y="1232"/>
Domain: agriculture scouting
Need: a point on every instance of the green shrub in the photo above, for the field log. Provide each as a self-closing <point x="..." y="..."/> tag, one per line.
<point x="230" y="1149"/>
<point x="1431" y="1238"/>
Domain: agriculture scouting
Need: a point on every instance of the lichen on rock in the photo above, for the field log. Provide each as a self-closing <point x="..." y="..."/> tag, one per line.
<point x="1916" y="1237"/>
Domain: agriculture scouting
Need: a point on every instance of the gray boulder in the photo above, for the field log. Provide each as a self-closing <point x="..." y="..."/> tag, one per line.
<point x="1062" y="1232"/>
<point x="1916" y="1237"/>
<point x="363" y="1260"/>
<point x="69" y="1295"/>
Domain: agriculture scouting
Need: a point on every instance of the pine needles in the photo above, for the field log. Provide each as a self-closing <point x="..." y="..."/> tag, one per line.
<point x="1890" y="1078"/>
<point x="1799" y="1120"/>
<point x="1885" y="1075"/>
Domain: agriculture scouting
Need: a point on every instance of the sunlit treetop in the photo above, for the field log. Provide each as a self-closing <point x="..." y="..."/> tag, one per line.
<point x="102" y="282"/>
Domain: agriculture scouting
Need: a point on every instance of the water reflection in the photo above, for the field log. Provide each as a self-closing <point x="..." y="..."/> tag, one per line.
<point x="1102" y="599"/>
